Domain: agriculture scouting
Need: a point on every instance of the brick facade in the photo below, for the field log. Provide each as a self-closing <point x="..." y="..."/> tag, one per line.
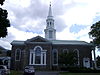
<point x="25" y="46"/>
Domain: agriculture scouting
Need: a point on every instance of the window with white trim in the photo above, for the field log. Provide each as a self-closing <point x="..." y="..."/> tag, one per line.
<point x="50" y="34"/>
<point x="55" y="57"/>
<point x="37" y="56"/>
<point x="17" y="54"/>
<point x="65" y="50"/>
<point x="76" y="54"/>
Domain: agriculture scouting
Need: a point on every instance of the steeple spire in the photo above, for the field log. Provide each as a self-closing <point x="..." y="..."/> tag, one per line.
<point x="50" y="12"/>
<point x="50" y="32"/>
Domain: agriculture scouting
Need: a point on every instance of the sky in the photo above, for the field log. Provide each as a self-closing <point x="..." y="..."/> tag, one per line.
<point x="73" y="19"/>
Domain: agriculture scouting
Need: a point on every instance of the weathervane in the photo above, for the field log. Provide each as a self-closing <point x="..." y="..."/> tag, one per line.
<point x="50" y="3"/>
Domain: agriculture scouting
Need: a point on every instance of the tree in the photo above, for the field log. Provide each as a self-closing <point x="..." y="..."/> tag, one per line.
<point x="95" y="33"/>
<point x="4" y="22"/>
<point x="9" y="53"/>
<point x="0" y="52"/>
<point x="1" y="2"/>
<point x="98" y="61"/>
<point x="67" y="59"/>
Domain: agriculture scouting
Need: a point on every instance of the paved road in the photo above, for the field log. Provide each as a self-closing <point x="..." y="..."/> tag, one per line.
<point x="46" y="73"/>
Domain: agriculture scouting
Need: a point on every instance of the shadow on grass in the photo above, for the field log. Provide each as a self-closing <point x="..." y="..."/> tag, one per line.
<point x="67" y="73"/>
<point x="16" y="72"/>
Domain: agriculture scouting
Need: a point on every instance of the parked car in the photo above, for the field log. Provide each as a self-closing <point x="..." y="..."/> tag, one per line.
<point x="29" y="70"/>
<point x="4" y="70"/>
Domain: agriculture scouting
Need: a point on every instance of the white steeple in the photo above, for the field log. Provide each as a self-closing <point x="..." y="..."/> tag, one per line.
<point x="50" y="12"/>
<point x="50" y="32"/>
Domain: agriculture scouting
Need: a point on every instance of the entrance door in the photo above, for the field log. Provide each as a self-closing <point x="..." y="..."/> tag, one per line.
<point x="86" y="62"/>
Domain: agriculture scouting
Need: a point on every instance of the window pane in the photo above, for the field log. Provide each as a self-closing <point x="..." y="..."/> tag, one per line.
<point x="50" y="23"/>
<point x="43" y="58"/>
<point x="37" y="59"/>
<point x="55" y="58"/>
<point x="38" y="51"/>
<point x="38" y="55"/>
<point x="76" y="57"/>
<point x="50" y="34"/>
<point x="17" y="54"/>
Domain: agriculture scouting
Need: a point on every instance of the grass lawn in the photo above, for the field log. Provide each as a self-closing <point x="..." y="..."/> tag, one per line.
<point x="64" y="73"/>
<point x="16" y="73"/>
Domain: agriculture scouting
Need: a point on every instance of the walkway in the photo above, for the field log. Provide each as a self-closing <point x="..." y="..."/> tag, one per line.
<point x="47" y="73"/>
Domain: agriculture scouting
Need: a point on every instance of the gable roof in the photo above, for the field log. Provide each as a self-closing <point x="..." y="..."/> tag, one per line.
<point x="15" y="42"/>
<point x="34" y="39"/>
<point x="55" y="42"/>
<point x="3" y="49"/>
<point x="69" y="42"/>
<point x="37" y="39"/>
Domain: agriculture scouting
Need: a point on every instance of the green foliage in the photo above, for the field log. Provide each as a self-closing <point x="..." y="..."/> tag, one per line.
<point x="95" y="33"/>
<point x="9" y="53"/>
<point x="4" y="22"/>
<point x="0" y="52"/>
<point x="66" y="73"/>
<point x="1" y="2"/>
<point x="67" y="59"/>
<point x="13" y="72"/>
<point x="98" y="61"/>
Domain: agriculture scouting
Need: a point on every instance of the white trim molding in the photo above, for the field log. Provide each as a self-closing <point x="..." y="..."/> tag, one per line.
<point x="17" y="53"/>
<point x="53" y="57"/>
<point x="86" y="62"/>
<point x="42" y="55"/>
<point x="65" y="50"/>
<point x="76" y="50"/>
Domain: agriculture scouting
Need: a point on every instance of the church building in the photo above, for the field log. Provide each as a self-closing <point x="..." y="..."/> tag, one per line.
<point x="43" y="53"/>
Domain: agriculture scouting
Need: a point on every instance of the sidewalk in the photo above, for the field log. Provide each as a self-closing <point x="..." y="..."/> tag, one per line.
<point x="46" y="73"/>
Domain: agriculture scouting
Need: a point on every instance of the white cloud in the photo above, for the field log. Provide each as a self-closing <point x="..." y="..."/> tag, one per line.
<point x="28" y="17"/>
<point x="21" y="35"/>
<point x="5" y="44"/>
<point x="66" y="35"/>
<point x="15" y="34"/>
<point x="19" y="3"/>
<point x="79" y="15"/>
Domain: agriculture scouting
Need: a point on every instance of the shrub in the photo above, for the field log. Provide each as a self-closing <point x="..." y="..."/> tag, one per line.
<point x="79" y="70"/>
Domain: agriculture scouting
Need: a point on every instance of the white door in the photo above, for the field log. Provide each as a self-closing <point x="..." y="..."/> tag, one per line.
<point x="86" y="62"/>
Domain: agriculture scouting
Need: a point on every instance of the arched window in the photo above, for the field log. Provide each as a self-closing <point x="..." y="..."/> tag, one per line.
<point x="37" y="56"/>
<point x="50" y="23"/>
<point x="65" y="50"/>
<point x="47" y="23"/>
<point x="50" y="34"/>
<point x="76" y="56"/>
<point x="17" y="54"/>
<point x="55" y="57"/>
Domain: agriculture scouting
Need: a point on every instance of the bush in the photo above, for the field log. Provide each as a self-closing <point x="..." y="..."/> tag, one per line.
<point x="79" y="70"/>
<point x="13" y="72"/>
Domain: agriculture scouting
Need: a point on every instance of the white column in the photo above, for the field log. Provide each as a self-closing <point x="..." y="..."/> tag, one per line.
<point x="95" y="65"/>
<point x="45" y="58"/>
<point x="78" y="59"/>
<point x="9" y="63"/>
<point x="30" y="59"/>
<point x="41" y="58"/>
<point x="33" y="58"/>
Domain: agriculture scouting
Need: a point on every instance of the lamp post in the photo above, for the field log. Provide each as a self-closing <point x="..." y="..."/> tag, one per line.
<point x="95" y="65"/>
